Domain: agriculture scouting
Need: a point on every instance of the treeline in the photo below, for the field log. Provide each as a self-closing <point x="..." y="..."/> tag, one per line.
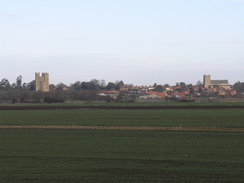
<point x="239" y="86"/>
<point x="96" y="85"/>
<point x="5" y="84"/>
<point x="55" y="96"/>
<point x="19" y="92"/>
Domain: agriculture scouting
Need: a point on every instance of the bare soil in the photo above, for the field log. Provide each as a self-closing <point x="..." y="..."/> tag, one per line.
<point x="136" y="128"/>
<point x="60" y="107"/>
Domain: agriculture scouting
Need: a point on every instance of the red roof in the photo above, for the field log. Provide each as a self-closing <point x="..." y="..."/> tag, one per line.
<point x="161" y="94"/>
<point x="152" y="93"/>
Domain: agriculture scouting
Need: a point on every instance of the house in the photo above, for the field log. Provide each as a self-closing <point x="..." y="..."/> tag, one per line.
<point x="169" y="89"/>
<point x="222" y="92"/>
<point x="149" y="96"/>
<point x="195" y="88"/>
<point x="149" y="93"/>
<point x="231" y="92"/>
<point x="162" y="95"/>
<point x="210" y="90"/>
<point x="178" y="95"/>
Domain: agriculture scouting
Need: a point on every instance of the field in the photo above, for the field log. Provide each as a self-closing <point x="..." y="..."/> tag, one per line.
<point x="55" y="155"/>
<point x="169" y="117"/>
<point x="120" y="156"/>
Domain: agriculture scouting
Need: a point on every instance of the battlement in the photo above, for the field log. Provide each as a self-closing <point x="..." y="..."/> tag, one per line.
<point x="42" y="81"/>
<point x="206" y="81"/>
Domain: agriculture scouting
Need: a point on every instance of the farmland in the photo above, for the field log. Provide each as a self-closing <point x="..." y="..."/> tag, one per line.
<point x="60" y="155"/>
<point x="169" y="117"/>
<point x="120" y="156"/>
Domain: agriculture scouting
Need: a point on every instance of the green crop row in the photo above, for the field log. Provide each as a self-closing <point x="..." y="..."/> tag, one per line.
<point x="166" y="117"/>
<point x="120" y="156"/>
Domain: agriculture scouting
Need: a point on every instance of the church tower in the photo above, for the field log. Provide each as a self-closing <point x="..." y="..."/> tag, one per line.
<point x="206" y="81"/>
<point x="42" y="82"/>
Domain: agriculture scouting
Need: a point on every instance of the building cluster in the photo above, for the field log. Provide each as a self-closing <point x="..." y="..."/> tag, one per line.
<point x="176" y="92"/>
<point x="209" y="88"/>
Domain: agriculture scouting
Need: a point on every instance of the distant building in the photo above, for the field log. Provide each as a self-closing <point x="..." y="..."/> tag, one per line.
<point x="42" y="82"/>
<point x="208" y="83"/>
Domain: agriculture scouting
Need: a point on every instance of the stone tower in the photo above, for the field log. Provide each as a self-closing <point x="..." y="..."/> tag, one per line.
<point x="42" y="82"/>
<point x="206" y="81"/>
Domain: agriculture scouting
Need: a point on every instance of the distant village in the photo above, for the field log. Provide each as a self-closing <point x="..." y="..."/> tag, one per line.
<point x="41" y="91"/>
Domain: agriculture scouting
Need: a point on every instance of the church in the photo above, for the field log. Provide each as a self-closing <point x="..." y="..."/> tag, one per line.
<point x="208" y="83"/>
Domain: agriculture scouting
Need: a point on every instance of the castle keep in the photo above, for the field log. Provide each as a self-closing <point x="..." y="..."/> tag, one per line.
<point x="42" y="82"/>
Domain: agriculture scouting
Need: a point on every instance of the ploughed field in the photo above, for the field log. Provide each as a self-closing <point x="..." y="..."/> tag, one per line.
<point x="60" y="155"/>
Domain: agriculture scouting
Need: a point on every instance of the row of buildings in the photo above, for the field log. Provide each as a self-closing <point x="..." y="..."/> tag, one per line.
<point x="210" y="88"/>
<point x="177" y="92"/>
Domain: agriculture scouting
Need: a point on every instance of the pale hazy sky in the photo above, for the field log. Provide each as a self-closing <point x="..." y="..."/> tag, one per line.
<point x="141" y="42"/>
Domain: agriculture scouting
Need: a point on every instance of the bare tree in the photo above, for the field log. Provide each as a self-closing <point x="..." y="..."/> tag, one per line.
<point x="199" y="83"/>
<point x="19" y="81"/>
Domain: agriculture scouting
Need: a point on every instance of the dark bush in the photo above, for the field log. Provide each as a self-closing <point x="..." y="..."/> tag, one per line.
<point x="14" y="100"/>
<point x="52" y="100"/>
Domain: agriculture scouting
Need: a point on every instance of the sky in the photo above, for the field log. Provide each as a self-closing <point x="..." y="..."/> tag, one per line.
<point x="140" y="42"/>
